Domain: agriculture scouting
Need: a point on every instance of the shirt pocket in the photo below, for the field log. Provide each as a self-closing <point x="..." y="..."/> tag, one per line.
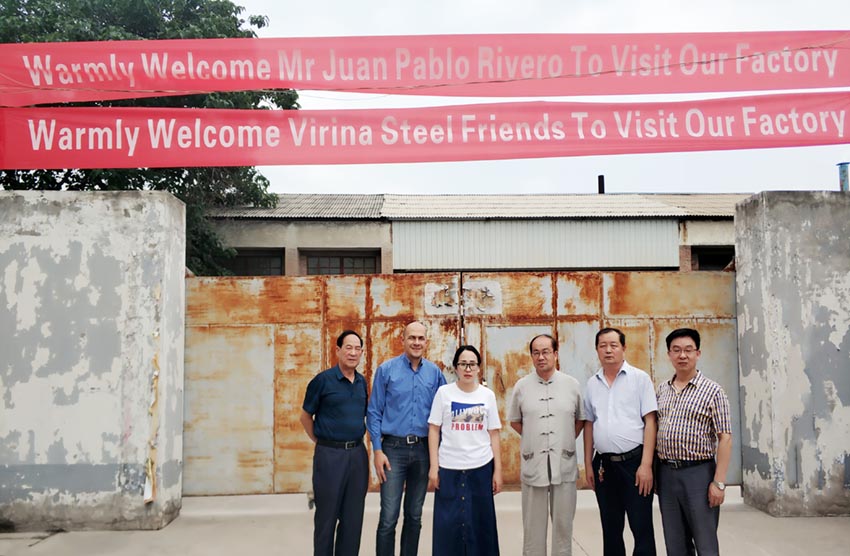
<point x="569" y="465"/>
<point x="527" y="467"/>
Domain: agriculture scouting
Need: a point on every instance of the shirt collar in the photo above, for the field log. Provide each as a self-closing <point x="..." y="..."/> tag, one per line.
<point x="339" y="376"/>
<point x="695" y="380"/>
<point x="541" y="380"/>
<point x="409" y="364"/>
<point x="626" y="369"/>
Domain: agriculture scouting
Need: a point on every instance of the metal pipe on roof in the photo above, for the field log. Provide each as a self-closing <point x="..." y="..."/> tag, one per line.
<point x="843" y="184"/>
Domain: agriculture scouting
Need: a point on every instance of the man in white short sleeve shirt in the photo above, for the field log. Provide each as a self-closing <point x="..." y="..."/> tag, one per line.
<point x="620" y="406"/>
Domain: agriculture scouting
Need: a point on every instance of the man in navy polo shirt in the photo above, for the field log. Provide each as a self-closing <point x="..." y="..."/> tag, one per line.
<point x="333" y="416"/>
<point x="402" y="393"/>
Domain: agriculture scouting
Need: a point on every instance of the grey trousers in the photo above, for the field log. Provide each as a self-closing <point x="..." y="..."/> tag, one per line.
<point x="690" y="525"/>
<point x="539" y="504"/>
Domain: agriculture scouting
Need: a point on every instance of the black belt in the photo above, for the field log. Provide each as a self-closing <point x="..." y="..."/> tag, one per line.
<point x="625" y="456"/>
<point x="409" y="439"/>
<point x="348" y="445"/>
<point x="682" y="463"/>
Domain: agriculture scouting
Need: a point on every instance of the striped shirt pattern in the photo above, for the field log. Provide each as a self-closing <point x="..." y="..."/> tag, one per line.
<point x="689" y="421"/>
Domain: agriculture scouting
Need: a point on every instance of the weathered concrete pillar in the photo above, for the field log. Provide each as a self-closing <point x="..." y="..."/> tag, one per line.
<point x="793" y="284"/>
<point x="91" y="365"/>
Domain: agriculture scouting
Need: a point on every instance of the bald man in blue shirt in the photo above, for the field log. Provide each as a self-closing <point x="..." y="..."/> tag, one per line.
<point x="403" y="389"/>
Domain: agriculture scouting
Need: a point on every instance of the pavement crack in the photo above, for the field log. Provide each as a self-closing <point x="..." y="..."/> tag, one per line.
<point x="580" y="547"/>
<point x="40" y="538"/>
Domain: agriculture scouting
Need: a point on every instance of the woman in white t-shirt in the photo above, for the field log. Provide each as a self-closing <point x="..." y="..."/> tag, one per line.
<point x="466" y="467"/>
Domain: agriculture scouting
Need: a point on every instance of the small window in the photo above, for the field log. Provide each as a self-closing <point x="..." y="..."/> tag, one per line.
<point x="712" y="258"/>
<point x="257" y="262"/>
<point x="342" y="263"/>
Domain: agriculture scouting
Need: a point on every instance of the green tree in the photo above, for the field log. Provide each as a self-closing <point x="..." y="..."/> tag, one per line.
<point x="200" y="188"/>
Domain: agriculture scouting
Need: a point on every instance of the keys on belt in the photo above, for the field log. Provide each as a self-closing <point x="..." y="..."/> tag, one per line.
<point x="617" y="458"/>
<point x="625" y="456"/>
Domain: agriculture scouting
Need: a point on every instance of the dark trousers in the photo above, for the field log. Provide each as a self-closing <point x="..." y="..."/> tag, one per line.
<point x="690" y="525"/>
<point x="618" y="497"/>
<point x="340" y="480"/>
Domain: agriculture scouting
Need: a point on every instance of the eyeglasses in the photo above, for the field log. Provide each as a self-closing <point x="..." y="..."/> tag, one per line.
<point x="679" y="351"/>
<point x="461" y="366"/>
<point x="356" y="349"/>
<point x="544" y="353"/>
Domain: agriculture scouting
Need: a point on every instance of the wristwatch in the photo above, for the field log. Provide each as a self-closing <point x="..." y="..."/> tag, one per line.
<point x="719" y="485"/>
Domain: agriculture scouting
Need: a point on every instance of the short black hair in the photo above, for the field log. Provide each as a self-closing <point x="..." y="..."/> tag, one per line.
<point x="683" y="333"/>
<point x="341" y="338"/>
<point x="608" y="331"/>
<point x="551" y="339"/>
<point x="460" y="350"/>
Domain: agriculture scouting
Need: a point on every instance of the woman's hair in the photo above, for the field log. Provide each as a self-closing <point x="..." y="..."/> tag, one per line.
<point x="461" y="349"/>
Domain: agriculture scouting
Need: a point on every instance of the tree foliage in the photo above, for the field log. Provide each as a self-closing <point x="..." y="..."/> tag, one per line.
<point x="200" y="188"/>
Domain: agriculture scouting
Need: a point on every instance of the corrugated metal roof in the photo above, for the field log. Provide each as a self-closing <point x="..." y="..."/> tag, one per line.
<point x="706" y="204"/>
<point x="415" y="207"/>
<point x="311" y="206"/>
<point x="450" y="207"/>
<point x="523" y="244"/>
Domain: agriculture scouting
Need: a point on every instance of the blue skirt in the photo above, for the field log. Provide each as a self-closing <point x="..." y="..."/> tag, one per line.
<point x="464" y="513"/>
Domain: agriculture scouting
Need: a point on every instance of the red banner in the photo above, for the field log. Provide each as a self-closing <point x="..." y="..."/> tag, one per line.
<point x="150" y="137"/>
<point x="450" y="65"/>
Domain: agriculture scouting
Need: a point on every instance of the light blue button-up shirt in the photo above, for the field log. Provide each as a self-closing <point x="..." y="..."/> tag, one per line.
<point x="401" y="398"/>
<point x="617" y="410"/>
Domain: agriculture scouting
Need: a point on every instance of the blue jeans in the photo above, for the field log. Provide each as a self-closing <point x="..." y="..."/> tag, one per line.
<point x="408" y="476"/>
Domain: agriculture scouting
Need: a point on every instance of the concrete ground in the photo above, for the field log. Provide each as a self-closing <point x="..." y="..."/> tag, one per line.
<point x="282" y="524"/>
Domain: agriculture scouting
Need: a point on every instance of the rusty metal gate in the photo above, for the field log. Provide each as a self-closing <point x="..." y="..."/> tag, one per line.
<point x="253" y="344"/>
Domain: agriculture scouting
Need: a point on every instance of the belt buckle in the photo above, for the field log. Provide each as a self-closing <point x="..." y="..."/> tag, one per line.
<point x="411" y="439"/>
<point x="349" y="444"/>
<point x="675" y="464"/>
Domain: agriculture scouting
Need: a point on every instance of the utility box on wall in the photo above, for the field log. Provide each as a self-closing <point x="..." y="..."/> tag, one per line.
<point x="91" y="366"/>
<point x="793" y="261"/>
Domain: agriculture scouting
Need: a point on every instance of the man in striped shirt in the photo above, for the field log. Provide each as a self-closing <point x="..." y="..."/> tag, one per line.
<point x="694" y="446"/>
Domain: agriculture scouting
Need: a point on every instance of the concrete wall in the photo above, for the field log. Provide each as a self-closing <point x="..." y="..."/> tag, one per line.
<point x="91" y="366"/>
<point x="295" y="235"/>
<point x="707" y="232"/>
<point x="793" y="260"/>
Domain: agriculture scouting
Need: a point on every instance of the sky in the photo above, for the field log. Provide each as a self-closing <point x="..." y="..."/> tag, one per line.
<point x="748" y="171"/>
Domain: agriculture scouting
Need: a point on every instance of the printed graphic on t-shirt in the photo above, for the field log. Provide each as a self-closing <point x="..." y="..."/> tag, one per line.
<point x="468" y="416"/>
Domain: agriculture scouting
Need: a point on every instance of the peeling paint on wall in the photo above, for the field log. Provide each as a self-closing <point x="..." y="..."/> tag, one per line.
<point x="91" y="291"/>
<point x="793" y="277"/>
<point x="242" y="439"/>
<point x="482" y="297"/>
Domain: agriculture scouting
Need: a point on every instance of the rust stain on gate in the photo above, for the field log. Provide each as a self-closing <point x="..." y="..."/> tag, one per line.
<point x="291" y="325"/>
